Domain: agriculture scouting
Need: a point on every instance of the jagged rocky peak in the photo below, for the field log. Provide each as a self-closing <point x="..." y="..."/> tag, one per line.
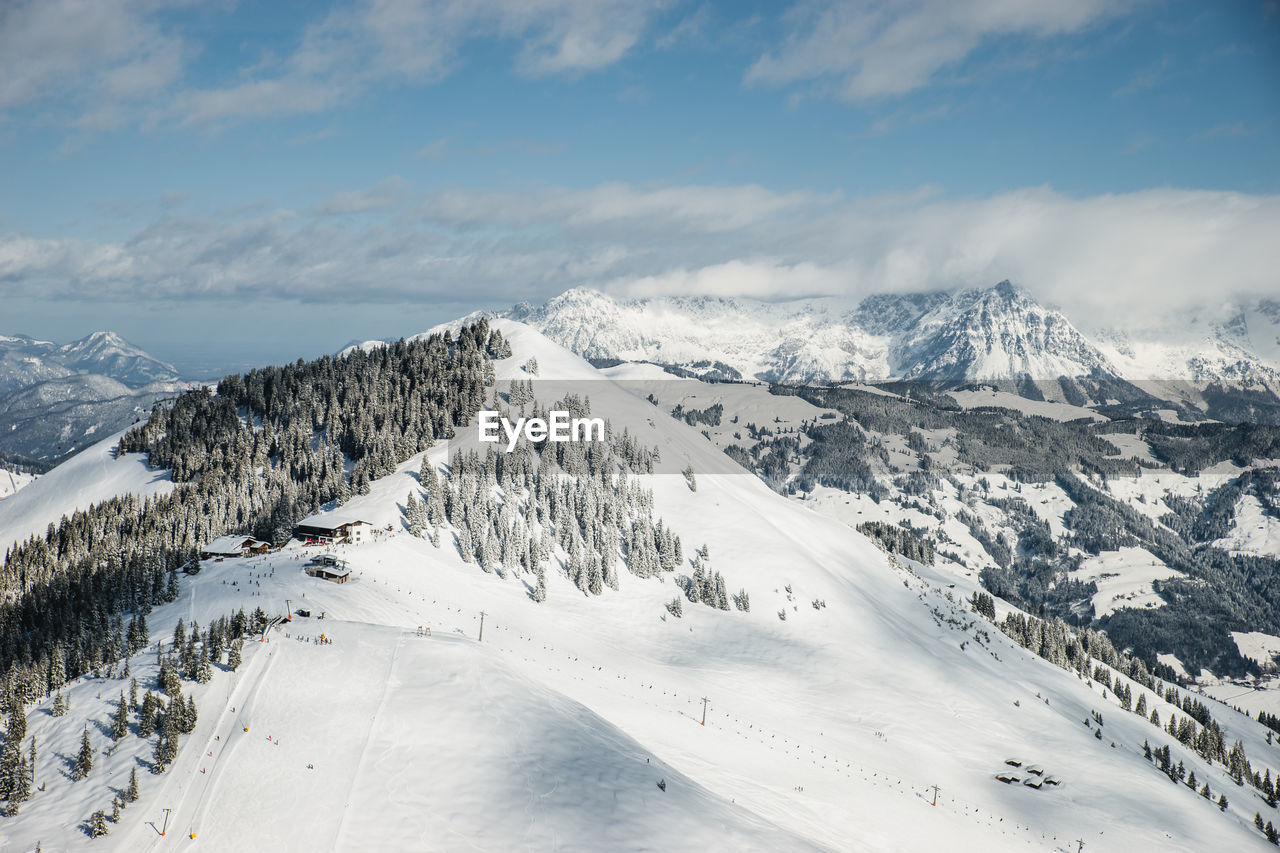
<point x="999" y="334"/>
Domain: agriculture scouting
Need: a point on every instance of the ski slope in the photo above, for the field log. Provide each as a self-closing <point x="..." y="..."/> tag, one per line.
<point x="825" y="730"/>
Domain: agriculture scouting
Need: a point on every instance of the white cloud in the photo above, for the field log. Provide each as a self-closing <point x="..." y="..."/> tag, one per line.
<point x="756" y="278"/>
<point x="105" y="57"/>
<point x="702" y="209"/>
<point x="383" y="196"/>
<point x="1121" y="259"/>
<point x="418" y="41"/>
<point x="876" y="48"/>
<point x="115" y="61"/>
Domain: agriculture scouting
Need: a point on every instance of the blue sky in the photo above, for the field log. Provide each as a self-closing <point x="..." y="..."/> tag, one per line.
<point x="229" y="183"/>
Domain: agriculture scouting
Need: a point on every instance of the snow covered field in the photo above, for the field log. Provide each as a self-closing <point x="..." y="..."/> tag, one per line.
<point x="827" y="729"/>
<point x="1124" y="579"/>
<point x="1257" y="646"/>
<point x="1006" y="400"/>
<point x="11" y="481"/>
<point x="1253" y="531"/>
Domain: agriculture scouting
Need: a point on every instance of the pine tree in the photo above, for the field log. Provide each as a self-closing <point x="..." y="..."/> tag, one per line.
<point x="57" y="668"/>
<point x="147" y="715"/>
<point x="204" y="668"/>
<point x="189" y="716"/>
<point x="234" y="656"/>
<point x="84" y="761"/>
<point x="415" y="515"/>
<point x="131" y="792"/>
<point x="115" y="809"/>
<point x="540" y="591"/>
<point x="11" y="758"/>
<point x="120" y="722"/>
<point x="20" y="791"/>
<point x="98" y="824"/>
<point x="59" y="705"/>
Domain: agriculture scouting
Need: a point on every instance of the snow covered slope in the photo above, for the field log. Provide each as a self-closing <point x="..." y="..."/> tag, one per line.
<point x="827" y="729"/>
<point x="11" y="481"/>
<point x="90" y="477"/>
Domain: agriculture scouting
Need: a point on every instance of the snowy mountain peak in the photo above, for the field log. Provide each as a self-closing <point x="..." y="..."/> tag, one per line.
<point x="107" y="353"/>
<point x="999" y="333"/>
<point x="993" y="334"/>
<point x="979" y="333"/>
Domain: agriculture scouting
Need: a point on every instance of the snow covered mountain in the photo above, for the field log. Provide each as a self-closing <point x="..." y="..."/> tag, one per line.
<point x="998" y="334"/>
<point x="56" y="399"/>
<point x="26" y="361"/>
<point x="798" y="341"/>
<point x="1241" y="349"/>
<point x="858" y="703"/>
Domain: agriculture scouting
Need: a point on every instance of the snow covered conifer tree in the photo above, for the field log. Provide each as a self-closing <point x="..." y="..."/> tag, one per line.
<point x="98" y="824"/>
<point x="120" y="722"/>
<point x="233" y="656"/>
<point x="595" y="576"/>
<point x="57" y="668"/>
<point x="20" y="791"/>
<point x="204" y="668"/>
<point x="415" y="515"/>
<point x="188" y="715"/>
<point x="131" y="792"/>
<point x="84" y="761"/>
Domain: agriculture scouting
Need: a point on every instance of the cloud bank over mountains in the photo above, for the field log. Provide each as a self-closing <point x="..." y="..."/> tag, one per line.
<point x="1133" y="255"/>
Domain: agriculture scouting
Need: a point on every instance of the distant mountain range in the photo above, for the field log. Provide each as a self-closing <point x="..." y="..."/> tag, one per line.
<point x="997" y="336"/>
<point x="58" y="398"/>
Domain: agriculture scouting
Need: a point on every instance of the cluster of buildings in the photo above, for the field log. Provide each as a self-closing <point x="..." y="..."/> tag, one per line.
<point x="323" y="529"/>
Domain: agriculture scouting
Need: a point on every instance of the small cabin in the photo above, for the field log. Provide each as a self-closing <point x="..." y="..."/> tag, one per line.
<point x="330" y="574"/>
<point x="234" y="546"/>
<point x="328" y="567"/>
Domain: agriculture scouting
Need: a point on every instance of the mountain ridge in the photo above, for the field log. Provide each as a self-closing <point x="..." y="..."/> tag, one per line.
<point x="998" y="334"/>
